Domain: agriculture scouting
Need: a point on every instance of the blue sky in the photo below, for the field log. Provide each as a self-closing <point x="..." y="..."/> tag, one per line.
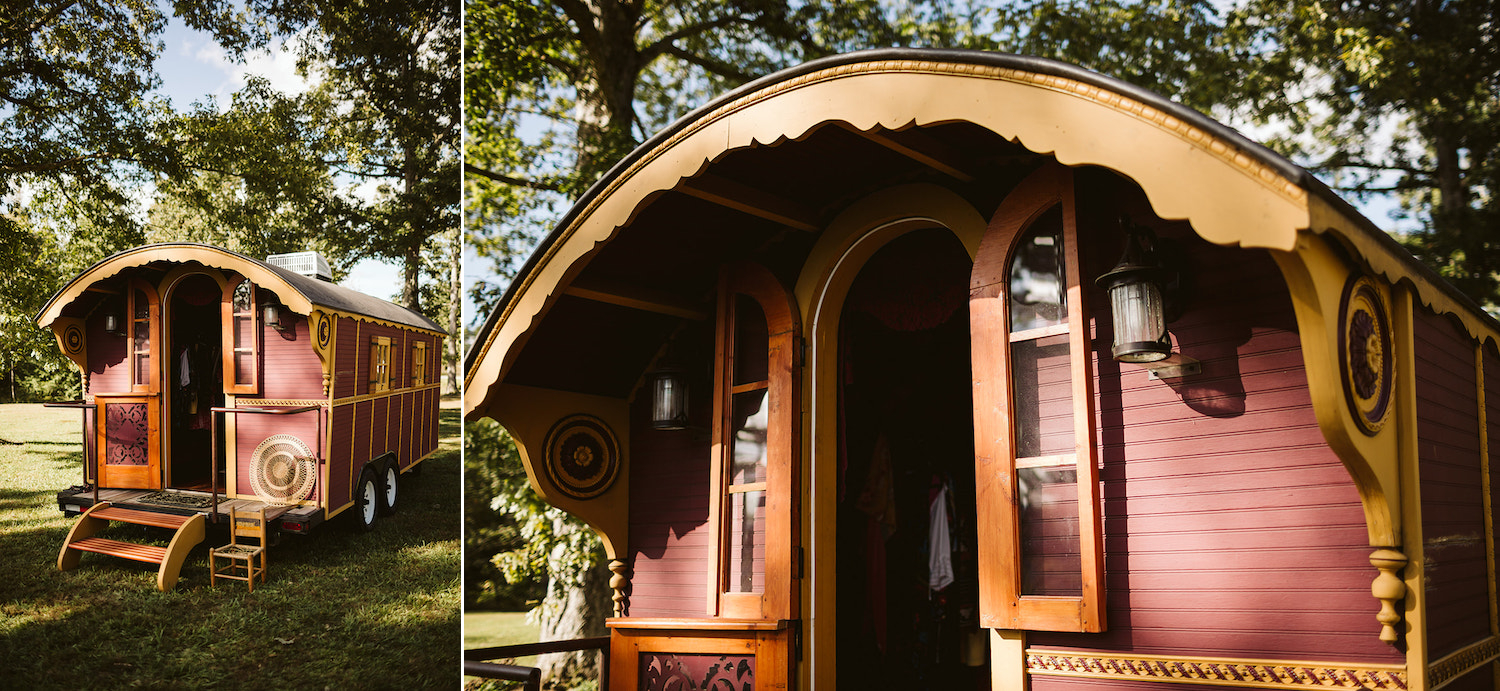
<point x="193" y="67"/>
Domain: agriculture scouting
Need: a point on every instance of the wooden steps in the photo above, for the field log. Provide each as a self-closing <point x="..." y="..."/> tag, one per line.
<point x="188" y="533"/>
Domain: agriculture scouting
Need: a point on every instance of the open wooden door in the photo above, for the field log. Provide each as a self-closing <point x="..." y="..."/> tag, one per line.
<point x="128" y="425"/>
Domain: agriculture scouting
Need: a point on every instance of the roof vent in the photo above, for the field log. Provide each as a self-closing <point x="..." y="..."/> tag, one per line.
<point x="310" y="264"/>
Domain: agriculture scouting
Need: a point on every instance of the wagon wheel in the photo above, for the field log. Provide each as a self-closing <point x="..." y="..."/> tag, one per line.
<point x="366" y="500"/>
<point x="390" y="489"/>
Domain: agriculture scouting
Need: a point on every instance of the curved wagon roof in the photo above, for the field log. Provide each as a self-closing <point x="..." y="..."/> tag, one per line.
<point x="795" y="147"/>
<point x="299" y="293"/>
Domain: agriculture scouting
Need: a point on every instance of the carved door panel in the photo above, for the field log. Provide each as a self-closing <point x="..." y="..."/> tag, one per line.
<point x="129" y="445"/>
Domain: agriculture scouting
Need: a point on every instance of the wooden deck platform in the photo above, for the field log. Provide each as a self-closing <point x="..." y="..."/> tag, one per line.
<point x="126" y="498"/>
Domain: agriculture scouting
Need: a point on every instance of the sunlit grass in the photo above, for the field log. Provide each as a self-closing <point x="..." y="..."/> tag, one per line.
<point x="341" y="609"/>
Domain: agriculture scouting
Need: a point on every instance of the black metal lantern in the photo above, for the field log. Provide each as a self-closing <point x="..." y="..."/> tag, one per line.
<point x="669" y="399"/>
<point x="1137" y="296"/>
<point x="272" y="312"/>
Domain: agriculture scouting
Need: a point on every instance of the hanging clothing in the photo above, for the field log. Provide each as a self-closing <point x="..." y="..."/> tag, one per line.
<point x="940" y="547"/>
<point x="184" y="378"/>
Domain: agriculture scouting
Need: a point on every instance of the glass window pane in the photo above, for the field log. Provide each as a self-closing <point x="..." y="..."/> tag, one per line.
<point x="1050" y="545"/>
<point x="751" y="341"/>
<point x="242" y="297"/>
<point x="244" y="366"/>
<point x="1043" y="380"/>
<point x="1037" y="297"/>
<point x="748" y="457"/>
<point x="142" y="306"/>
<point x="747" y="542"/>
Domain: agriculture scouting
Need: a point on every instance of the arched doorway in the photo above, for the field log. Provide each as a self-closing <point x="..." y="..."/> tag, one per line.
<point x="908" y="596"/>
<point x="195" y="380"/>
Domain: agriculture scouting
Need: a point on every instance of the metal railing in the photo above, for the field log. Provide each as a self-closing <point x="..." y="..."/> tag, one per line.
<point x="88" y="441"/>
<point x="213" y="514"/>
<point x="476" y="660"/>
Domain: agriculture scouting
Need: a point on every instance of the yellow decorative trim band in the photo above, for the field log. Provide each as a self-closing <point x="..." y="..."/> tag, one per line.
<point x="1463" y="662"/>
<point x="1255" y="674"/>
<point x="282" y="402"/>
<point x="335" y="314"/>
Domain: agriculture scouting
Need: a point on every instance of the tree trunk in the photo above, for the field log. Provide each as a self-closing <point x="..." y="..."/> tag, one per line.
<point x="455" y="306"/>
<point x="574" y="611"/>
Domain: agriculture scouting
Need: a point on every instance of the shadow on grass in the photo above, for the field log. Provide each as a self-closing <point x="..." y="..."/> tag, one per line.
<point x="341" y="607"/>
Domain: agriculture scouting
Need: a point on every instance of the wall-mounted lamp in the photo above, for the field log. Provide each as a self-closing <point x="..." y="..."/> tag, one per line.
<point x="112" y="325"/>
<point x="669" y="399"/>
<point x="1138" y="298"/>
<point x="272" y="316"/>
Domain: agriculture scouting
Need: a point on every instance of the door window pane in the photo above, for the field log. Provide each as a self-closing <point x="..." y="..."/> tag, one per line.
<point x="1043" y="380"/>
<point x="1037" y="297"/>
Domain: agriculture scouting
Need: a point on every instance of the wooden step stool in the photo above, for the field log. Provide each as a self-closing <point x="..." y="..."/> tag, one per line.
<point x="189" y="532"/>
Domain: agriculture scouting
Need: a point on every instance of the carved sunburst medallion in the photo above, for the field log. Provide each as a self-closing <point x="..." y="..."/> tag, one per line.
<point x="1365" y="361"/>
<point x="583" y="457"/>
<point x="325" y="331"/>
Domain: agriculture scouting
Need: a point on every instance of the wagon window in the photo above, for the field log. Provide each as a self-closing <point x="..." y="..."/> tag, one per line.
<point x="755" y="441"/>
<point x="419" y="363"/>
<point x="1035" y="412"/>
<point x="380" y="364"/>
<point x="241" y="339"/>
<point x="144" y="312"/>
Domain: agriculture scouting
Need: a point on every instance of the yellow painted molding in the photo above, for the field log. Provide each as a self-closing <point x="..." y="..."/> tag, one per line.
<point x="72" y="339"/>
<point x="1234" y="672"/>
<point x="1395" y="268"/>
<point x="1462" y="662"/>
<point x="283" y="402"/>
<point x="361" y="398"/>
<point x="1186" y="172"/>
<point x="1403" y="320"/>
<point x="1316" y="275"/>
<point x="529" y="413"/>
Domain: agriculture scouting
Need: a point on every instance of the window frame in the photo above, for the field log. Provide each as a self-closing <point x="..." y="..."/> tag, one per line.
<point x="153" y="339"/>
<point x="231" y="343"/>
<point x="380" y="364"/>
<point x="419" y="363"/>
<point x="1002" y="604"/>
<point x="778" y="598"/>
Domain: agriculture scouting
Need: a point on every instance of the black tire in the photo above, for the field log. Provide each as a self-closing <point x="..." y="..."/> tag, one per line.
<point x="366" y="500"/>
<point x="390" y="489"/>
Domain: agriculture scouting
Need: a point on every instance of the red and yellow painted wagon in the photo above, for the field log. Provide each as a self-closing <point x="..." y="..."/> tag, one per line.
<point x="1002" y="374"/>
<point x="214" y="381"/>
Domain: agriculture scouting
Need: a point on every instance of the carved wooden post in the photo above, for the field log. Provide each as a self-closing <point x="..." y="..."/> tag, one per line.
<point x="1388" y="588"/>
<point x="617" y="583"/>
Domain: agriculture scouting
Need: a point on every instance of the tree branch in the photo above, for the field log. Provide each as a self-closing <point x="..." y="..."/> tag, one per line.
<point x="512" y="181"/>
<point x="712" y="66"/>
<point x="667" y="42"/>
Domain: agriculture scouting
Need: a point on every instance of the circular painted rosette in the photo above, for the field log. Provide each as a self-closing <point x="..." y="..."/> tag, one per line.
<point x="583" y="456"/>
<point x="325" y="331"/>
<point x="73" y="339"/>
<point x="1365" y="357"/>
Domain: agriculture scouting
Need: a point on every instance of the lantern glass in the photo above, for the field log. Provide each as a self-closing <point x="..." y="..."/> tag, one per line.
<point x="112" y="325"/>
<point x="1140" y="321"/>
<point x="669" y="401"/>
<point x="272" y="316"/>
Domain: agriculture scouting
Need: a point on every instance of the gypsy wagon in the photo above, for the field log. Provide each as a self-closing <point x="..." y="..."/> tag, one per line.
<point x="215" y="381"/>
<point x="930" y="369"/>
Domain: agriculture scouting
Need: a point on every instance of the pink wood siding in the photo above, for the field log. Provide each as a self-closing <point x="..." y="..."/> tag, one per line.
<point x="1452" y="501"/>
<point x="250" y="430"/>
<point x="289" y="367"/>
<point x="109" y="364"/>
<point x="669" y="539"/>
<point x="1230" y="527"/>
<point x="340" y="458"/>
<point x="346" y="380"/>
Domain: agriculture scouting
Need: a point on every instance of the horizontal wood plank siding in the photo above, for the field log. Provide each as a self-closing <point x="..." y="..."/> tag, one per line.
<point x="669" y="535"/>
<point x="109" y="361"/>
<point x="251" y="429"/>
<point x="290" y="369"/>
<point x="1231" y="529"/>
<point x="1452" y="501"/>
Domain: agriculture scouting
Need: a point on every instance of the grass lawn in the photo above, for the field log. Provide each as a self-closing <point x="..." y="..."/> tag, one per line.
<point x="486" y="629"/>
<point x="340" y="609"/>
